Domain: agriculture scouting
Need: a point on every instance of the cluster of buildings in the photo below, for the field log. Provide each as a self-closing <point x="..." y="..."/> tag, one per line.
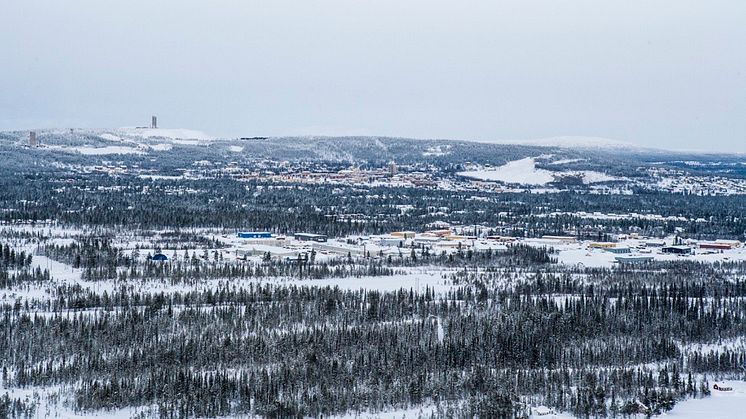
<point x="630" y="249"/>
<point x="679" y="181"/>
<point x="636" y="250"/>
<point x="397" y="243"/>
<point x="388" y="176"/>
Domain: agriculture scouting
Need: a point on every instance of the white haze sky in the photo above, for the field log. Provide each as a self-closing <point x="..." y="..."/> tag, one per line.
<point x="655" y="73"/>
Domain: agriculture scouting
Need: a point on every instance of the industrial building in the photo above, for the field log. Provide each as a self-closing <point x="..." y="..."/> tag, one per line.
<point x="427" y="239"/>
<point x="618" y="250"/>
<point x="275" y="254"/>
<point x="502" y="239"/>
<point x="715" y="246"/>
<point x="456" y="237"/>
<point x="632" y="259"/>
<point x="602" y="245"/>
<point x="254" y="235"/>
<point x="390" y="240"/>
<point x="720" y="244"/>
<point x="563" y="239"/>
<point x="732" y="243"/>
<point x="310" y="237"/>
<point x="677" y="250"/>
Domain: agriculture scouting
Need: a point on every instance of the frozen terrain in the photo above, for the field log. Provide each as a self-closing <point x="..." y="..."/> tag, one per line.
<point x="720" y="405"/>
<point x="521" y="171"/>
<point x="525" y="172"/>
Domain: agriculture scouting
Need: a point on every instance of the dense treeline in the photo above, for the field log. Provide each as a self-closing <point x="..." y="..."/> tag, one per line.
<point x="9" y="258"/>
<point x="293" y="351"/>
<point x="24" y="277"/>
<point x="102" y="261"/>
<point x="205" y="335"/>
<point x="337" y="210"/>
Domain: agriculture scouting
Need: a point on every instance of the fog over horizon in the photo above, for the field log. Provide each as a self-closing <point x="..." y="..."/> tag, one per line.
<point x="656" y="74"/>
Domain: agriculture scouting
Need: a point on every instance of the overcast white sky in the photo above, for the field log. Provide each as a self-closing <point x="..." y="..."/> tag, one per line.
<point x="660" y="73"/>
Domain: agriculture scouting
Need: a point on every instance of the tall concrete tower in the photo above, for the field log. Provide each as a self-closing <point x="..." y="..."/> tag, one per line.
<point x="32" y="138"/>
<point x="154" y="122"/>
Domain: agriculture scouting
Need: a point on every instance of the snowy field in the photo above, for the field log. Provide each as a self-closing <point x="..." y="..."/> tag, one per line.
<point x="720" y="405"/>
<point x="581" y="254"/>
<point x="525" y="172"/>
<point x="522" y="171"/>
<point x="723" y="405"/>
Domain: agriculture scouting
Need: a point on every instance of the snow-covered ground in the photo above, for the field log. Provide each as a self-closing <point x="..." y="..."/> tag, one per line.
<point x="416" y="279"/>
<point x="101" y="151"/>
<point x="521" y="171"/>
<point x="568" y="141"/>
<point x="96" y="151"/>
<point x="525" y="172"/>
<point x="136" y="141"/>
<point x="581" y="254"/>
<point x="49" y="404"/>
<point x="410" y="413"/>
<point x="589" y="176"/>
<point x="720" y="405"/>
<point x="172" y="133"/>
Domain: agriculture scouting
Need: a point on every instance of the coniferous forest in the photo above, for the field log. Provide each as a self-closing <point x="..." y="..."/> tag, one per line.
<point x="131" y="296"/>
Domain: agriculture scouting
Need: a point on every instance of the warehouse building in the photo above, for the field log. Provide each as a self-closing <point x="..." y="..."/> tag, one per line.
<point x="404" y="234"/>
<point x="677" y="250"/>
<point x="255" y="235"/>
<point x="715" y="246"/>
<point x="618" y="250"/>
<point x="502" y="239"/>
<point x="390" y="240"/>
<point x="633" y="259"/>
<point x="720" y="244"/>
<point x="733" y="243"/>
<point x="426" y="239"/>
<point x="562" y="239"/>
<point x="310" y="237"/>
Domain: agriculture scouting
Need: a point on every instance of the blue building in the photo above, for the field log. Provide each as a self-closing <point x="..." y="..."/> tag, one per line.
<point x="255" y="235"/>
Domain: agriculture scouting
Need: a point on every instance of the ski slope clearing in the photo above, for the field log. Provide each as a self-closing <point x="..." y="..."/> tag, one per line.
<point x="521" y="171"/>
<point x="525" y="172"/>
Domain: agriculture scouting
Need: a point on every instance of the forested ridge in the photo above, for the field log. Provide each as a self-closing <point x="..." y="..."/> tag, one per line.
<point x="131" y="202"/>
